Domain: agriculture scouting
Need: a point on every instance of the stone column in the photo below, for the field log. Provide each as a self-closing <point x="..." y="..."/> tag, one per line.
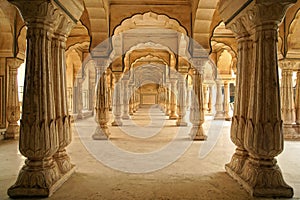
<point x="79" y="100"/>
<point x="102" y="106"/>
<point x="131" y="101"/>
<point x="188" y="98"/>
<point x="205" y="98"/>
<point x="63" y="119"/>
<point x="243" y="77"/>
<point x="134" y="99"/>
<point x="226" y="101"/>
<point x="117" y="100"/>
<point x="13" y="107"/>
<point x="181" y="106"/>
<point x="196" y="110"/>
<point x="111" y="92"/>
<point x="297" y="105"/>
<point x="125" y="100"/>
<point x="167" y="111"/>
<point x="210" y="98"/>
<point x="263" y="138"/>
<point x="287" y="94"/>
<point x="39" y="139"/>
<point x="219" y="101"/>
<point x="173" y="99"/>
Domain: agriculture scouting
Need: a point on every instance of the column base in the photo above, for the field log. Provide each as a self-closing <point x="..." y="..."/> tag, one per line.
<point x="126" y="117"/>
<point x="237" y="162"/>
<point x="12" y="131"/>
<point x="262" y="181"/>
<point x="219" y="117"/>
<point x="181" y="123"/>
<point x="167" y="113"/>
<point x="101" y="133"/>
<point x="173" y="116"/>
<point x="197" y="133"/>
<point x="291" y="132"/>
<point x="63" y="161"/>
<point x="117" y="123"/>
<point x="39" y="181"/>
<point x="79" y="116"/>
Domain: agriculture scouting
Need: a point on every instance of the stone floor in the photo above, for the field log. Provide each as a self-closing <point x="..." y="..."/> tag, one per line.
<point x="149" y="158"/>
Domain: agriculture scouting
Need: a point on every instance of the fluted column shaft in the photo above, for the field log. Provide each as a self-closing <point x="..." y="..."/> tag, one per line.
<point x="210" y="98"/>
<point x="131" y="100"/>
<point x="241" y="97"/>
<point x="287" y="102"/>
<point x="117" y="100"/>
<point x="196" y="110"/>
<point x="297" y="99"/>
<point x="173" y="106"/>
<point x="181" y="98"/>
<point x="168" y="94"/>
<point x="13" y="107"/>
<point x="125" y="100"/>
<point x="63" y="119"/>
<point x="226" y="100"/>
<point x="79" y="100"/>
<point x="102" y="106"/>
<point x="219" y="101"/>
<point x="205" y="97"/>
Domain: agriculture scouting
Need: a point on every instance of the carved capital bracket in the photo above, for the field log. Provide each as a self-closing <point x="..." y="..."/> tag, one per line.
<point x="242" y="21"/>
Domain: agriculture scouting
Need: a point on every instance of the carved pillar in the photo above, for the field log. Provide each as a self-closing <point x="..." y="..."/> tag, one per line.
<point x="173" y="99"/>
<point x="210" y="98"/>
<point x="102" y="106"/>
<point x="117" y="100"/>
<point x="188" y="98"/>
<point x="111" y="92"/>
<point x="134" y="98"/>
<point x="219" y="101"/>
<point x="287" y="94"/>
<point x="168" y="94"/>
<point x="205" y="98"/>
<point x="243" y="77"/>
<point x="297" y="100"/>
<point x="131" y="101"/>
<point x="13" y="107"/>
<point x="181" y="106"/>
<point x="63" y="119"/>
<point x="262" y="137"/>
<point x="39" y="139"/>
<point x="196" y="110"/>
<point x="125" y="100"/>
<point x="226" y="101"/>
<point x="79" y="100"/>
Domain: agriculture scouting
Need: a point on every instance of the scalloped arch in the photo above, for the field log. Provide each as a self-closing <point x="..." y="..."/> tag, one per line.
<point x="149" y="20"/>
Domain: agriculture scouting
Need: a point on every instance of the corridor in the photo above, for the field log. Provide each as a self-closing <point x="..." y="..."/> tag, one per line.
<point x="174" y="167"/>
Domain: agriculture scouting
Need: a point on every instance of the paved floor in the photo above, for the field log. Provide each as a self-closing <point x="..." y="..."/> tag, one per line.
<point x="149" y="158"/>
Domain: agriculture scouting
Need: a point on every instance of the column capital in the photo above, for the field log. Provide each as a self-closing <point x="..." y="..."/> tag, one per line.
<point x="198" y="63"/>
<point x="287" y="64"/>
<point x="13" y="63"/>
<point x="41" y="12"/>
<point x="257" y="13"/>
